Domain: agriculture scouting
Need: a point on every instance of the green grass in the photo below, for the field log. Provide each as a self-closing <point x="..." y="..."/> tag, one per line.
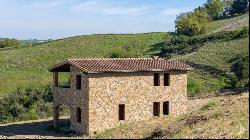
<point x="214" y="61"/>
<point x="229" y="24"/>
<point x="23" y="66"/>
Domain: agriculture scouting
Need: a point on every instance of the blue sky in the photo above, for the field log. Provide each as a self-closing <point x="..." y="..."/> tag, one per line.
<point x="53" y="19"/>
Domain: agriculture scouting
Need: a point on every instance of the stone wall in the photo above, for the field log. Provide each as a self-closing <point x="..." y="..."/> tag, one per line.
<point x="137" y="92"/>
<point x="73" y="98"/>
<point x="101" y="94"/>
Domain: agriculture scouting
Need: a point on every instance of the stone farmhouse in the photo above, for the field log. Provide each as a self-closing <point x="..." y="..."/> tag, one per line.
<point x="105" y="92"/>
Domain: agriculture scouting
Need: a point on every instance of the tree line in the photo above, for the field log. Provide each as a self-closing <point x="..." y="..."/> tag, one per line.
<point x="196" y="22"/>
<point x="4" y="43"/>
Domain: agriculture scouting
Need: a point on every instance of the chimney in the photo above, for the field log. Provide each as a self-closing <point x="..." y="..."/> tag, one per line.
<point x="155" y="57"/>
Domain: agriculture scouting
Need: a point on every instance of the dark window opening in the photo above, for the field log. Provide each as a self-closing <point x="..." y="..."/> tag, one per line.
<point x="78" y="82"/>
<point x="166" y="108"/>
<point x="78" y="115"/>
<point x="121" y="111"/>
<point x="156" y="79"/>
<point x="166" y="79"/>
<point x="156" y="108"/>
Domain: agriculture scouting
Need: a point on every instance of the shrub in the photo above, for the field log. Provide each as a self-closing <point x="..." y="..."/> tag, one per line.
<point x="240" y="72"/>
<point x="9" y="43"/>
<point x="208" y="106"/>
<point x="131" y="49"/>
<point x="193" y="87"/>
<point x="185" y="44"/>
<point x="27" y="103"/>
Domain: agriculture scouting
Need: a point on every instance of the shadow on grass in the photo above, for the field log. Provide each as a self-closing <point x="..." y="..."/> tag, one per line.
<point x="43" y="128"/>
<point x="209" y="69"/>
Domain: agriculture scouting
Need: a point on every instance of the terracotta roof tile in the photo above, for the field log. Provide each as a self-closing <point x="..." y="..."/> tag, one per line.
<point x="122" y="64"/>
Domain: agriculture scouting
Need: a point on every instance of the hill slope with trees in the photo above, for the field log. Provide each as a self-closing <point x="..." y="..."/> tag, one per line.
<point x="220" y="58"/>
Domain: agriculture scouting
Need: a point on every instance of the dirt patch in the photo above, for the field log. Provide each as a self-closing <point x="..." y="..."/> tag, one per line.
<point x="36" y="129"/>
<point x="196" y="119"/>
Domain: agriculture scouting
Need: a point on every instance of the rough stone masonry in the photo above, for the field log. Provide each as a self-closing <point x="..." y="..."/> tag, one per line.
<point x="106" y="92"/>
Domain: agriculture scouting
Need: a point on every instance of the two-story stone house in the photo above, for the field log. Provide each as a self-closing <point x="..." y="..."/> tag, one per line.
<point x="105" y="92"/>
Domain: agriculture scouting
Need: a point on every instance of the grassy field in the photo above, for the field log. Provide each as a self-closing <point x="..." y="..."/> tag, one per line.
<point x="21" y="67"/>
<point x="221" y="117"/>
<point x="213" y="63"/>
<point x="25" y="66"/>
<point x="229" y="24"/>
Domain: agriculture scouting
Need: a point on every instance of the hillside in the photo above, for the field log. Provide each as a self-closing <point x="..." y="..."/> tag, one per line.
<point x="25" y="66"/>
<point x="212" y="63"/>
<point x="229" y="24"/>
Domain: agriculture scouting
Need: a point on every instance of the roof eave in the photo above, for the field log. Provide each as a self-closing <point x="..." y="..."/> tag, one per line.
<point x="67" y="62"/>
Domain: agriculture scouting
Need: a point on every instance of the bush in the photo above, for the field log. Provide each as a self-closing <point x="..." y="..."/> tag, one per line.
<point x="132" y="49"/>
<point x="26" y="104"/>
<point x="9" y="43"/>
<point x="240" y="72"/>
<point x="193" y="87"/>
<point x="184" y="44"/>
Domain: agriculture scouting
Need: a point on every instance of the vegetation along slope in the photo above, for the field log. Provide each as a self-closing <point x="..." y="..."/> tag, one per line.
<point x="215" y="46"/>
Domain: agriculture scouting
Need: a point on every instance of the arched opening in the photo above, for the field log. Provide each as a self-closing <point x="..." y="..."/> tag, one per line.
<point x="62" y="118"/>
<point x="78" y="114"/>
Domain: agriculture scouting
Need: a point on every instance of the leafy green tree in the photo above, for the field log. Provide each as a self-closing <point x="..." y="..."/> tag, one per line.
<point x="240" y="6"/>
<point x="192" y="23"/>
<point x="202" y="17"/>
<point x="214" y="8"/>
<point x="9" y="43"/>
<point x="188" y="26"/>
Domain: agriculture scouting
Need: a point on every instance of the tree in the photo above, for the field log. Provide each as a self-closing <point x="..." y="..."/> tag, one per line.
<point x="188" y="26"/>
<point x="9" y="43"/>
<point x="240" y="6"/>
<point x="214" y="8"/>
<point x="192" y="23"/>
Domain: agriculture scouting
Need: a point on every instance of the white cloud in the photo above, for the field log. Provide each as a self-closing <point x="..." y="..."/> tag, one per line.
<point x="112" y="9"/>
<point x="61" y="18"/>
<point x="174" y="11"/>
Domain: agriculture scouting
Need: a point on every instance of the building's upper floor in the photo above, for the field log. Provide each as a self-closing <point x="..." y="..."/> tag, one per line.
<point x="160" y="70"/>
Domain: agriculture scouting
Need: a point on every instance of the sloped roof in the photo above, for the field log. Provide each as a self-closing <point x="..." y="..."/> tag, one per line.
<point x="95" y="65"/>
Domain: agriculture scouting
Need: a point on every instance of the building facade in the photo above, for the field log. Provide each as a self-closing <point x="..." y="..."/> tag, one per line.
<point x="104" y="93"/>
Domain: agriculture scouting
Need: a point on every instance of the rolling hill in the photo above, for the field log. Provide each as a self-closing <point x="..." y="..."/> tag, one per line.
<point x="229" y="24"/>
<point x="22" y="67"/>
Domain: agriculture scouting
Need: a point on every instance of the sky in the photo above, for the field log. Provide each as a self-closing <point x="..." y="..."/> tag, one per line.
<point x="54" y="19"/>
